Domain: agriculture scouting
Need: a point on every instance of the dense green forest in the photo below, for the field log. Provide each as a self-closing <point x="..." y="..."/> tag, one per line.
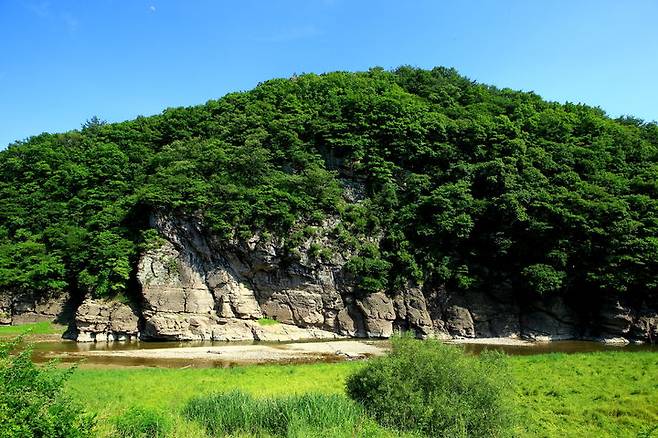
<point x="469" y="186"/>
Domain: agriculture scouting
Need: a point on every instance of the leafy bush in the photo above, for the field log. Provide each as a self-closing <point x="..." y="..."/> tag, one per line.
<point x="295" y="416"/>
<point x="31" y="400"/>
<point x="136" y="422"/>
<point x="436" y="389"/>
<point x="543" y="279"/>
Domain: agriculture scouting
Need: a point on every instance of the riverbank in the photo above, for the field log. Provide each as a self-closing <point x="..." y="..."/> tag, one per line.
<point x="223" y="354"/>
<point x="241" y="354"/>
<point x="592" y="394"/>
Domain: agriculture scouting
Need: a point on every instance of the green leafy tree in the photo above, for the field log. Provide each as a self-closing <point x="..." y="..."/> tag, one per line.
<point x="460" y="184"/>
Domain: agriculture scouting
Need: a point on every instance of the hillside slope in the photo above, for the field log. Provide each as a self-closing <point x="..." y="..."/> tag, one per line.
<point x="403" y="180"/>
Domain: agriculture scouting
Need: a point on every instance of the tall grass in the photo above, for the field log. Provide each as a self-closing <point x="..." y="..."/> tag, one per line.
<point x="267" y="321"/>
<point x="139" y="422"/>
<point x="308" y="415"/>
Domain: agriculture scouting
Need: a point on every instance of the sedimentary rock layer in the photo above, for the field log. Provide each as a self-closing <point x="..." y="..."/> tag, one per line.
<point x="196" y="287"/>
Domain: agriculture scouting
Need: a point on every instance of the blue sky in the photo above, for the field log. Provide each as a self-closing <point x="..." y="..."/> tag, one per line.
<point x="63" y="61"/>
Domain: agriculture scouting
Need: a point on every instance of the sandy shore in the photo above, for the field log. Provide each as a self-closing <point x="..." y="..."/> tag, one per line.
<point x="251" y="354"/>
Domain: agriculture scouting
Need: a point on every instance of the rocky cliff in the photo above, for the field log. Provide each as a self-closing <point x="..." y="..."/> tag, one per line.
<point x="196" y="287"/>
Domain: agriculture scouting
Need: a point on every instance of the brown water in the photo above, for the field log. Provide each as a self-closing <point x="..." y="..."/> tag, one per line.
<point x="70" y="352"/>
<point x="568" y="347"/>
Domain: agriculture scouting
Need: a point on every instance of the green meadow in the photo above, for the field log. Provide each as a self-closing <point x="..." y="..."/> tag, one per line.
<point x="36" y="328"/>
<point x="608" y="394"/>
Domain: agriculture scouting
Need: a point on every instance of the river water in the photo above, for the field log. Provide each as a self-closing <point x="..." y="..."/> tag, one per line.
<point x="73" y="352"/>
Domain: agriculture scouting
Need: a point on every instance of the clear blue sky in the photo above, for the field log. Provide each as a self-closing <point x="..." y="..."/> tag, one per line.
<point x="63" y="61"/>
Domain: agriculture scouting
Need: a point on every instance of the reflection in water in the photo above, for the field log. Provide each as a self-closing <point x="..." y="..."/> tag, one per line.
<point x="67" y="352"/>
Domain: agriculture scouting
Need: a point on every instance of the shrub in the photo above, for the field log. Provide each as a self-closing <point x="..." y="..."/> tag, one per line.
<point x="295" y="416"/>
<point x="31" y="400"/>
<point x="432" y="388"/>
<point x="543" y="279"/>
<point x="136" y="422"/>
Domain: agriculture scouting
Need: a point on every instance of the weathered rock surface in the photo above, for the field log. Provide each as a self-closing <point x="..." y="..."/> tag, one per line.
<point x="30" y="308"/>
<point x="645" y="328"/>
<point x="459" y="322"/>
<point x="5" y="309"/>
<point x="549" y="320"/>
<point x="378" y="313"/>
<point x="621" y="323"/>
<point x="196" y="287"/>
<point x="98" y="320"/>
<point x="412" y="312"/>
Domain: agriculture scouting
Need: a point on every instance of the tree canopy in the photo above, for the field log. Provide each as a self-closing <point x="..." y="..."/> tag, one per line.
<point x="468" y="185"/>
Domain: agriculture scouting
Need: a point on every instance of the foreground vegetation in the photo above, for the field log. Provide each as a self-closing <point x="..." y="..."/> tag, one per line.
<point x="421" y="389"/>
<point x="237" y="413"/>
<point x="32" y="401"/>
<point x="611" y="394"/>
<point x="467" y="186"/>
<point x="434" y="389"/>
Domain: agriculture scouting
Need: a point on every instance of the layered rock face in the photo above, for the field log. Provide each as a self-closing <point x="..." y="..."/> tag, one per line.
<point x="29" y="308"/>
<point x="98" y="320"/>
<point x="619" y="323"/>
<point x="196" y="287"/>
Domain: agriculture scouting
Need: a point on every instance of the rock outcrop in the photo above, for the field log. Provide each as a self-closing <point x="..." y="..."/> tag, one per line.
<point x="5" y="309"/>
<point x="23" y="308"/>
<point x="98" y="320"/>
<point x="197" y="287"/>
<point x="621" y="323"/>
<point x="550" y="320"/>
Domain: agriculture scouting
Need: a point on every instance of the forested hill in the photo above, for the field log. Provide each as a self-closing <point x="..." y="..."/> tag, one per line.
<point x="468" y="186"/>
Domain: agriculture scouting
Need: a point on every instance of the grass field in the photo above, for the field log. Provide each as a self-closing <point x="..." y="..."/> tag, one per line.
<point x="612" y="394"/>
<point x="37" y="328"/>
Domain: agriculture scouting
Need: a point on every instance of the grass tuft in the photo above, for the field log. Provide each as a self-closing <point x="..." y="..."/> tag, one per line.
<point x="267" y="321"/>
